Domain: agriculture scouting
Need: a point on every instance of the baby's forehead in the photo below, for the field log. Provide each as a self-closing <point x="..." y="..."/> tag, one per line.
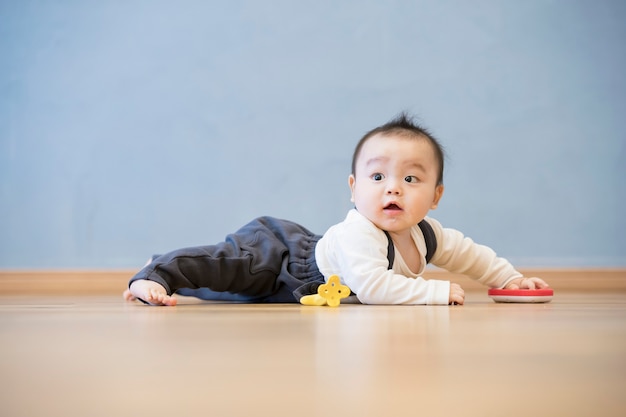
<point x="377" y="145"/>
<point x="427" y="148"/>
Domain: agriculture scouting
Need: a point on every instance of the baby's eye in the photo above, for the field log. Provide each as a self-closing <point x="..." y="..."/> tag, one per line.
<point x="378" y="177"/>
<point x="411" y="178"/>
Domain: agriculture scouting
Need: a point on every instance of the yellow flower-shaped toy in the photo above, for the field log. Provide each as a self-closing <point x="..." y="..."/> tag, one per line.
<point x="329" y="294"/>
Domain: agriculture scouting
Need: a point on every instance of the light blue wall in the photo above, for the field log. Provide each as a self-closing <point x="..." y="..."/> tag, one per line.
<point x="134" y="127"/>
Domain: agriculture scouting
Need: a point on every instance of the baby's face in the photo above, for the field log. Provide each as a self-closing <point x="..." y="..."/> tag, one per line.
<point x="395" y="181"/>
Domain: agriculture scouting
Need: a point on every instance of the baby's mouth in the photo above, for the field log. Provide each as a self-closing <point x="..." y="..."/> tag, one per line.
<point x="392" y="206"/>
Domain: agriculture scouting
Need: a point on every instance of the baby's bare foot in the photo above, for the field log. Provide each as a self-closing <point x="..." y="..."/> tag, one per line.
<point x="128" y="296"/>
<point x="151" y="292"/>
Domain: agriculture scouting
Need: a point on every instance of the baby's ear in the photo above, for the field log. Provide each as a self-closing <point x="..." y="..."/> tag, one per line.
<point x="351" y="181"/>
<point x="438" y="194"/>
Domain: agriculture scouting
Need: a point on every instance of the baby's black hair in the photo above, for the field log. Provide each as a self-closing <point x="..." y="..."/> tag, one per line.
<point x="403" y="125"/>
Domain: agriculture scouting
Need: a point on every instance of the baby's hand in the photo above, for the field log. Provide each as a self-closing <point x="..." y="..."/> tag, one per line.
<point x="457" y="295"/>
<point x="533" y="283"/>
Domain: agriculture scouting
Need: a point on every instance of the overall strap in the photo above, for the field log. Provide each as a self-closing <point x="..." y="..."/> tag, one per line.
<point x="429" y="237"/>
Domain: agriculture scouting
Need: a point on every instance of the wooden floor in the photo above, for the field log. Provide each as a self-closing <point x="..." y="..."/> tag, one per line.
<point x="99" y="356"/>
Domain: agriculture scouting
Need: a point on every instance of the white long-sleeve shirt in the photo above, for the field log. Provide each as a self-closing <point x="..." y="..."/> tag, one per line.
<point x="356" y="251"/>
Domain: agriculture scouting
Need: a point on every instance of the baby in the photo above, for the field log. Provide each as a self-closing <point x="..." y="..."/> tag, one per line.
<point x="396" y="179"/>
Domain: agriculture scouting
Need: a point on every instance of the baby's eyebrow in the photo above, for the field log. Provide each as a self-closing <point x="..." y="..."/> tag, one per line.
<point x="376" y="159"/>
<point x="408" y="164"/>
<point x="417" y="165"/>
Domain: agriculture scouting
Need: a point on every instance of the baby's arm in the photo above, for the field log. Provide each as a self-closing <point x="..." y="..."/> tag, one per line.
<point x="460" y="254"/>
<point x="532" y="283"/>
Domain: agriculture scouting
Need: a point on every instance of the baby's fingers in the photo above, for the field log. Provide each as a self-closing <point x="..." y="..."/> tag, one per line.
<point x="539" y="283"/>
<point x="457" y="295"/>
<point x="533" y="283"/>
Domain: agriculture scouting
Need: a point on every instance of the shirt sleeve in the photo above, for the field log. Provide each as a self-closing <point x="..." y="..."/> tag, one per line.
<point x="359" y="252"/>
<point x="460" y="254"/>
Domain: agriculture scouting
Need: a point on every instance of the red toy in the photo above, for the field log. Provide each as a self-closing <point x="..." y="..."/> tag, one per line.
<point x="521" y="296"/>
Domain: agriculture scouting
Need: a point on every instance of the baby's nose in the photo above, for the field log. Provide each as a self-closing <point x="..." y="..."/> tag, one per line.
<point x="392" y="188"/>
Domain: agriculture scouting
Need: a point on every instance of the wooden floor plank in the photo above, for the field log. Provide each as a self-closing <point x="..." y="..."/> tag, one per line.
<point x="96" y="355"/>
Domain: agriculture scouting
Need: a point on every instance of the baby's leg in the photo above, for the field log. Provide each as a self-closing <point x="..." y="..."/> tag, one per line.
<point x="151" y="292"/>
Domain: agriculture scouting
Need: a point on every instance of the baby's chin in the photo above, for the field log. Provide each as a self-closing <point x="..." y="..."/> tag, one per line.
<point x="394" y="225"/>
